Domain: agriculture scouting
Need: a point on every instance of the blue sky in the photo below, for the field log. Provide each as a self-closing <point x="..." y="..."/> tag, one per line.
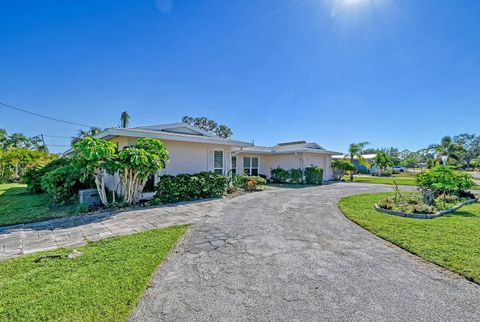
<point x="394" y="73"/>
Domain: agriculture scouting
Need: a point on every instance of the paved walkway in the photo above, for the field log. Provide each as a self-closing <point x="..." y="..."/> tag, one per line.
<point x="76" y="231"/>
<point x="291" y="255"/>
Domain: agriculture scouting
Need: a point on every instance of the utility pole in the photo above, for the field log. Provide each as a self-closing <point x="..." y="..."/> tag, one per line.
<point x="43" y="141"/>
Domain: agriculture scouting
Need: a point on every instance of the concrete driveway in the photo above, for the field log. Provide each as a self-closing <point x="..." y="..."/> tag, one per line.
<point x="289" y="254"/>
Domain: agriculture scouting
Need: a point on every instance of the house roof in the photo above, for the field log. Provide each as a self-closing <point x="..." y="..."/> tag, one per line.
<point x="174" y="132"/>
<point x="288" y="147"/>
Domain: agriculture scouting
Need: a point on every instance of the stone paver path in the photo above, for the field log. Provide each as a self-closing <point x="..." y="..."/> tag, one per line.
<point x="76" y="231"/>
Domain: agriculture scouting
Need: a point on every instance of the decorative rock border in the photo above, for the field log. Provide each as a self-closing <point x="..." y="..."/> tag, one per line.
<point x="424" y="216"/>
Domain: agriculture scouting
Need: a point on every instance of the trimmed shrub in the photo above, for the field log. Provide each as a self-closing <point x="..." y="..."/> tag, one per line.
<point x="443" y="180"/>
<point x="249" y="182"/>
<point x="33" y="176"/>
<point x="185" y="187"/>
<point x="279" y="175"/>
<point x="63" y="183"/>
<point x="295" y="176"/>
<point x="314" y="175"/>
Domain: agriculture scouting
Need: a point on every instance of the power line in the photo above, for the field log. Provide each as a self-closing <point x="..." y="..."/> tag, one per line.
<point x="44" y="116"/>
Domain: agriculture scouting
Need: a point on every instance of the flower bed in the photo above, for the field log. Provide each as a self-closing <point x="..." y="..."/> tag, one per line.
<point x="424" y="216"/>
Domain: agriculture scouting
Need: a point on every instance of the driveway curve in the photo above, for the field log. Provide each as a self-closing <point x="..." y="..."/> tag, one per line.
<point x="289" y="254"/>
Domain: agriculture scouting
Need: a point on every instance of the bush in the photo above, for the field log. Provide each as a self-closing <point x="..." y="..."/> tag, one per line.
<point x="249" y="182"/>
<point x="185" y="187"/>
<point x="63" y="183"/>
<point x="313" y="175"/>
<point x="443" y="180"/>
<point x="33" y="176"/>
<point x="340" y="168"/>
<point x="279" y="175"/>
<point x="296" y="176"/>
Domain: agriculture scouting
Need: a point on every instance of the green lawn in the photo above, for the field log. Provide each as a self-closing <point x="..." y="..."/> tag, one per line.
<point x="104" y="284"/>
<point x="18" y="206"/>
<point x="451" y="241"/>
<point x="401" y="181"/>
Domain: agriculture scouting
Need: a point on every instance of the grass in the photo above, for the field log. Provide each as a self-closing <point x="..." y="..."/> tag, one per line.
<point x="104" y="284"/>
<point x="401" y="181"/>
<point x="450" y="241"/>
<point x="18" y="206"/>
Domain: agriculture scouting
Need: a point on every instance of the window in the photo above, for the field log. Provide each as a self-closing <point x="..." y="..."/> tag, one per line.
<point x="250" y="166"/>
<point x="234" y="165"/>
<point x="218" y="161"/>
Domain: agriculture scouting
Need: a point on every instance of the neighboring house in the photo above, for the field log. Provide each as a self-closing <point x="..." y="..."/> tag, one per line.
<point x="360" y="167"/>
<point x="193" y="150"/>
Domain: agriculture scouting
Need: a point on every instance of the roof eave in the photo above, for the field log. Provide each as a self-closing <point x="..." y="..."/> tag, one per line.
<point x="113" y="132"/>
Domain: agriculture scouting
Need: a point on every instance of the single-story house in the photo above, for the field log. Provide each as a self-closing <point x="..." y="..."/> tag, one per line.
<point x="193" y="150"/>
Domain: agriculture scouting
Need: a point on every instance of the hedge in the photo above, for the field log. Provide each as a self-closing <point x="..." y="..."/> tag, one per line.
<point x="313" y="175"/>
<point x="249" y="182"/>
<point x="185" y="187"/>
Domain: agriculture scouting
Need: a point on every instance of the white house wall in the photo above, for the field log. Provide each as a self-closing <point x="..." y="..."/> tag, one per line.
<point x="288" y="161"/>
<point x="185" y="157"/>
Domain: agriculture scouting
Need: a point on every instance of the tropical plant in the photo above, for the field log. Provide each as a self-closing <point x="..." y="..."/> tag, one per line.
<point x="135" y="164"/>
<point x="92" y="131"/>
<point x="124" y="119"/>
<point x="382" y="161"/>
<point x="209" y="125"/>
<point x="63" y="183"/>
<point x="33" y="176"/>
<point x="447" y="150"/>
<point x="15" y="161"/>
<point x="340" y="168"/>
<point x="97" y="157"/>
<point x="355" y="151"/>
<point x="444" y="180"/>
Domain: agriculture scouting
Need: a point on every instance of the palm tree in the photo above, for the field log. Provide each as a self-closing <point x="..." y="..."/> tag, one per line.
<point x="124" y="119"/>
<point x="355" y="150"/>
<point x="85" y="133"/>
<point x="447" y="149"/>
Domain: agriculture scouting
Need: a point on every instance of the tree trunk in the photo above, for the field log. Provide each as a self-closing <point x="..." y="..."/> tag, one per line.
<point x="351" y="171"/>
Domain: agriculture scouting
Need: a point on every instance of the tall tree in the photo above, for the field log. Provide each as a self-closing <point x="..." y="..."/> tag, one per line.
<point x="355" y="151"/>
<point x="3" y="139"/>
<point x="124" y="119"/>
<point x="209" y="125"/>
<point x="18" y="140"/>
<point x="92" y="131"/>
<point x="382" y="161"/>
<point x="447" y="150"/>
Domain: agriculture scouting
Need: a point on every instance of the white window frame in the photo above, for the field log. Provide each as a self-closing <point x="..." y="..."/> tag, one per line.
<point x="223" y="161"/>
<point x="250" y="165"/>
<point x="234" y="168"/>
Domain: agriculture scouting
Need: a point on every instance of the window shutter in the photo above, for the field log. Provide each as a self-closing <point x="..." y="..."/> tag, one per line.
<point x="227" y="164"/>
<point x="210" y="160"/>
